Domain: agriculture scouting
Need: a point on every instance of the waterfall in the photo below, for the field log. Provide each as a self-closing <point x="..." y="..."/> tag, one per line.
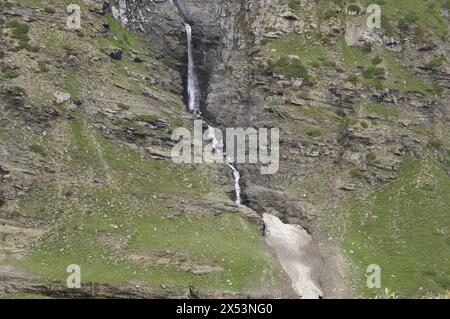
<point x="237" y="185"/>
<point x="191" y="80"/>
<point x="237" y="176"/>
<point x="193" y="93"/>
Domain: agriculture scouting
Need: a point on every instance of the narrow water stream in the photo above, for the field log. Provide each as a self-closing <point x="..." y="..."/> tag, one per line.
<point x="192" y="81"/>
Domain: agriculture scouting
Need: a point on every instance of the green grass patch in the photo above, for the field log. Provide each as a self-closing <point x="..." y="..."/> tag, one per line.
<point x="20" y="33"/>
<point x="315" y="112"/>
<point x="380" y="110"/>
<point x="356" y="174"/>
<point x="38" y="149"/>
<point x="43" y="66"/>
<point x="291" y="67"/>
<point x="316" y="132"/>
<point x="122" y="37"/>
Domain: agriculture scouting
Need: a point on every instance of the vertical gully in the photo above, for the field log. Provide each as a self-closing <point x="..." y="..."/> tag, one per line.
<point x="193" y="93"/>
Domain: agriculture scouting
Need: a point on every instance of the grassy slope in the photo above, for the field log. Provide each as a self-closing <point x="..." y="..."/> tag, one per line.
<point x="404" y="227"/>
<point x="113" y="194"/>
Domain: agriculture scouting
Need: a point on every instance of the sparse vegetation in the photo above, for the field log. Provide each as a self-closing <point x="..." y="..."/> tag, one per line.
<point x="364" y="124"/>
<point x="43" y="66"/>
<point x="49" y="10"/>
<point x="353" y="78"/>
<point x="291" y="67"/>
<point x="376" y="61"/>
<point x="20" y="33"/>
<point x="294" y="4"/>
<point x="316" y="132"/>
<point x="10" y="74"/>
<point x="374" y="73"/>
<point x="394" y="231"/>
<point x="17" y="90"/>
<point x="437" y="61"/>
<point x="371" y="157"/>
<point x="38" y="149"/>
<point x="356" y="174"/>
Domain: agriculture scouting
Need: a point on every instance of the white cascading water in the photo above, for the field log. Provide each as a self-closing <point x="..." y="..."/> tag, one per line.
<point x="191" y="83"/>
<point x="237" y="176"/>
<point x="192" y="95"/>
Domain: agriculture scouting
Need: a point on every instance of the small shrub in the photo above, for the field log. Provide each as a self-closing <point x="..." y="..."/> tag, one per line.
<point x="316" y="132"/>
<point x="327" y="15"/>
<point x="437" y="89"/>
<point x="411" y="17"/>
<point x="68" y="48"/>
<point x="10" y="75"/>
<point x="81" y="34"/>
<point x="38" y="149"/>
<point x="2" y="54"/>
<point x="418" y="31"/>
<point x="371" y="157"/>
<point x="291" y="67"/>
<point x="364" y="124"/>
<point x="373" y="73"/>
<point x="31" y="48"/>
<point x="329" y="64"/>
<point x="437" y="61"/>
<point x="341" y="114"/>
<point x="19" y="31"/>
<point x="356" y="174"/>
<point x="43" y="66"/>
<point x="353" y="78"/>
<point x="294" y="4"/>
<point x="49" y="10"/>
<point x="376" y="61"/>
<point x="17" y="90"/>
<point x="377" y="84"/>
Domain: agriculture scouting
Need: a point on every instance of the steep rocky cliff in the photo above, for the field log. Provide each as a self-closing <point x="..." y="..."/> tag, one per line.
<point x="85" y="132"/>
